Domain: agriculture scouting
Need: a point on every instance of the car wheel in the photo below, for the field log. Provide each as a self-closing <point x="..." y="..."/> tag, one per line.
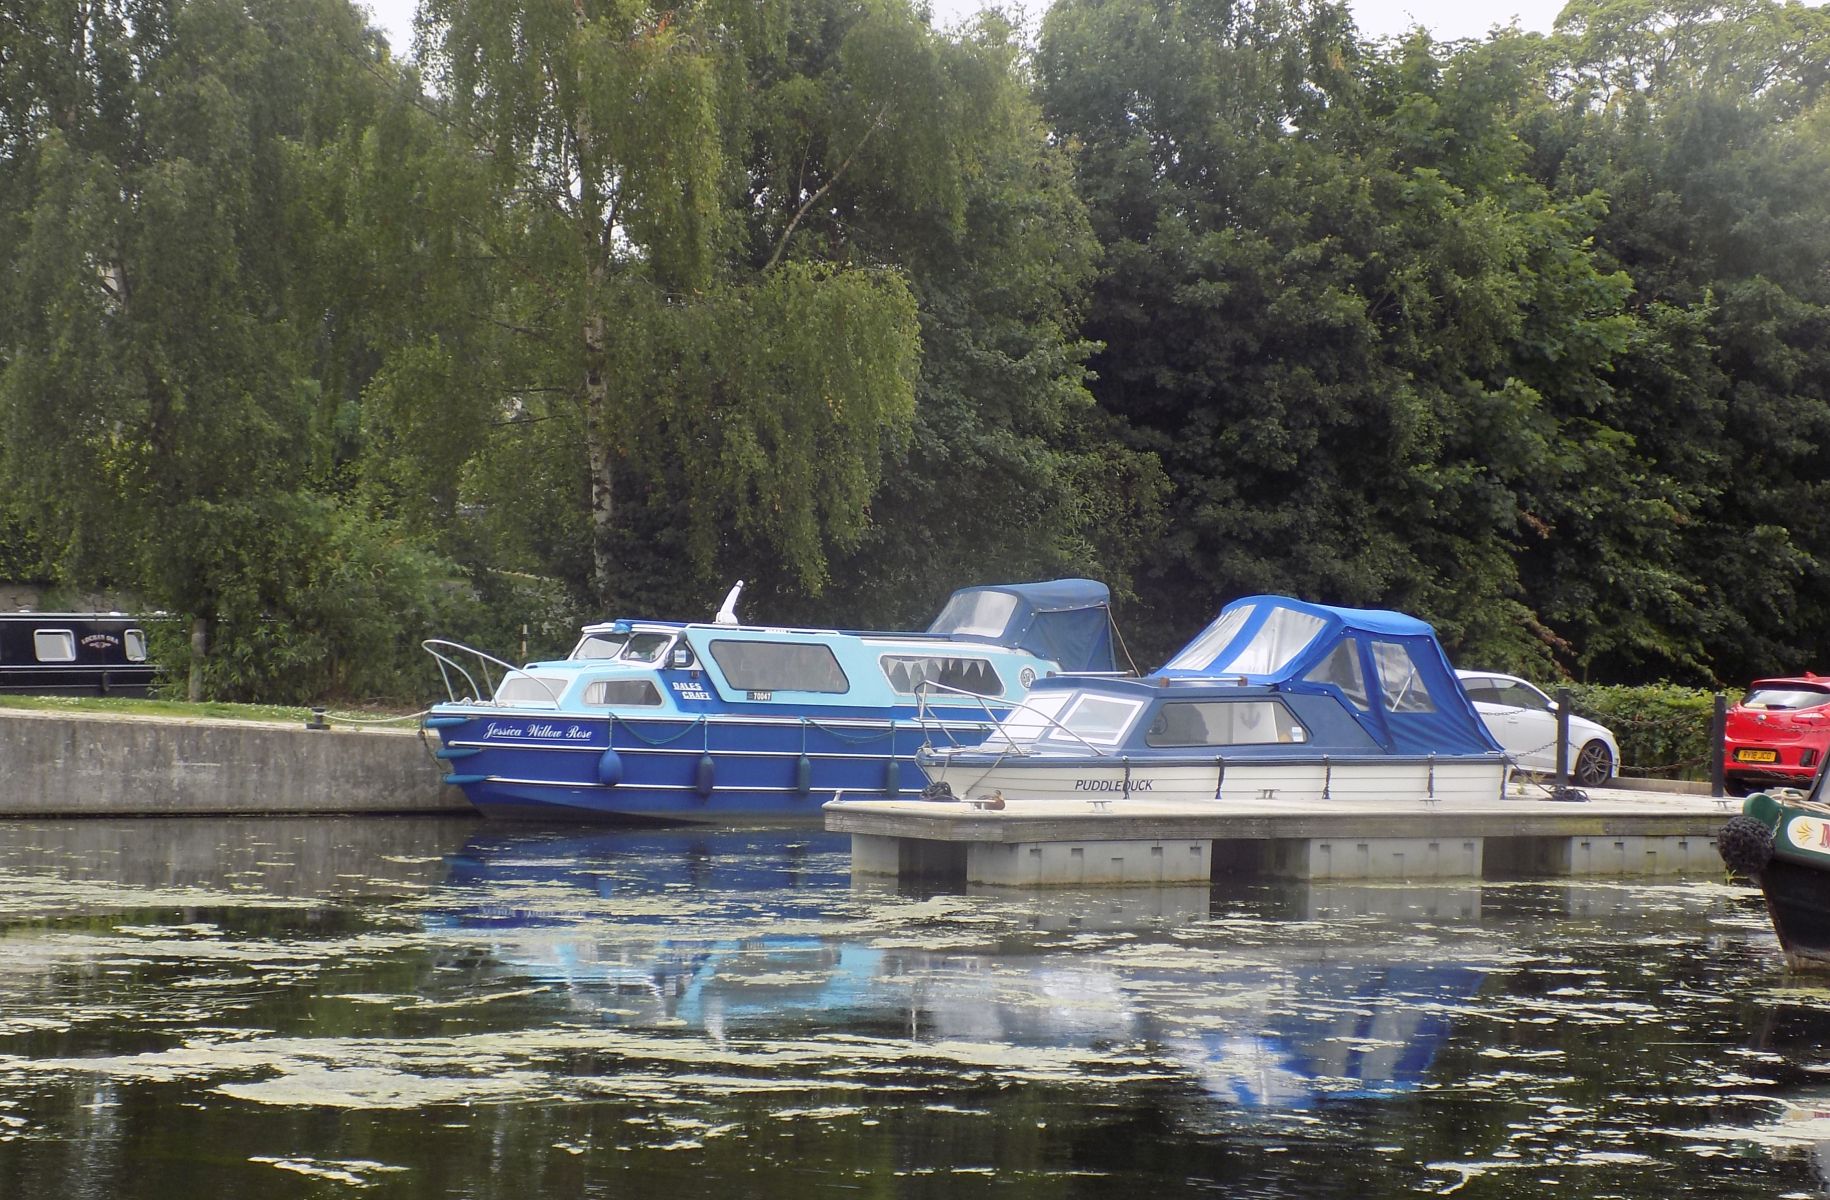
<point x="1594" y="765"/>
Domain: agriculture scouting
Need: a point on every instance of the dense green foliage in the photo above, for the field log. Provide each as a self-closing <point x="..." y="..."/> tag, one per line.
<point x="601" y="305"/>
<point x="1663" y="730"/>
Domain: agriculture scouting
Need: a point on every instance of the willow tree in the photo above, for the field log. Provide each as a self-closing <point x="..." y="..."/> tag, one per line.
<point x="611" y="130"/>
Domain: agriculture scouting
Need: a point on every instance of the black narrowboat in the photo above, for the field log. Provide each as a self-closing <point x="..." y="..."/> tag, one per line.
<point x="74" y="654"/>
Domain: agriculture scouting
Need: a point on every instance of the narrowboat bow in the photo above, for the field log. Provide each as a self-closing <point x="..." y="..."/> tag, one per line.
<point x="1781" y="840"/>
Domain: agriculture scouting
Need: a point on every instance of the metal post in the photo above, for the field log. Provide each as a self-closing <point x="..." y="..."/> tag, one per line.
<point x="1562" y="738"/>
<point x="1718" y="734"/>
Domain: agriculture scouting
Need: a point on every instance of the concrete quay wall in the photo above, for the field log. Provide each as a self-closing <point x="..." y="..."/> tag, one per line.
<point x="85" y="764"/>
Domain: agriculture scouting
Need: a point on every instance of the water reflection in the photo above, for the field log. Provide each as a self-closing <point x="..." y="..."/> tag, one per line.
<point x="435" y="1008"/>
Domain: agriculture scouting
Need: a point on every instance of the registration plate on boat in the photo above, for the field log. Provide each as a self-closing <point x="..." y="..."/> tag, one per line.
<point x="1765" y="756"/>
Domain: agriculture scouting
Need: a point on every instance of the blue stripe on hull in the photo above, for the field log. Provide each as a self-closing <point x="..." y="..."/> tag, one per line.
<point x="756" y="769"/>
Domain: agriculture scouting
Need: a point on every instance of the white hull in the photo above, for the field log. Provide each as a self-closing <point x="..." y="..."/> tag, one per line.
<point x="1234" y="782"/>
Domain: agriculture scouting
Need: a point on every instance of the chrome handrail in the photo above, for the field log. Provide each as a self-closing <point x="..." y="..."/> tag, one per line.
<point x="447" y="664"/>
<point x="921" y="714"/>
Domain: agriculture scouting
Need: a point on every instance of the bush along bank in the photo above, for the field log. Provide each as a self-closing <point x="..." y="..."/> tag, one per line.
<point x="1663" y="729"/>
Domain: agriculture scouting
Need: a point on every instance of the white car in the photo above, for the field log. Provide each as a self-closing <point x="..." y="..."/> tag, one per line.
<point x="1523" y="720"/>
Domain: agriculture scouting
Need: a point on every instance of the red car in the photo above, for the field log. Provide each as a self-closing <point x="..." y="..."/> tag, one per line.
<point x="1778" y="734"/>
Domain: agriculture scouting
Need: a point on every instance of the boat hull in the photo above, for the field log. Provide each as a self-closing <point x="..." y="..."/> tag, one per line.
<point x="1784" y="846"/>
<point x="682" y="768"/>
<point x="1230" y="781"/>
<point x="1798" y="901"/>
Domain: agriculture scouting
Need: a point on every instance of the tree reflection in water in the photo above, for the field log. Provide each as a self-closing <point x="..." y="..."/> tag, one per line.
<point x="425" y="1008"/>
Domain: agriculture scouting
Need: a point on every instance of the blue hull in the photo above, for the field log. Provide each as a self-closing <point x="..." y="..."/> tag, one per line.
<point x="676" y="768"/>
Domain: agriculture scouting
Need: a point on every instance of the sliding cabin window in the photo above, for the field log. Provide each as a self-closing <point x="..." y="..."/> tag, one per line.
<point x="908" y="673"/>
<point x="631" y="692"/>
<point x="54" y="645"/>
<point x="779" y="667"/>
<point x="1222" y="723"/>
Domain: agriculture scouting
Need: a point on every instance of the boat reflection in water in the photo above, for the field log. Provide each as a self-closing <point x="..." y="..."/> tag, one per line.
<point x="745" y="934"/>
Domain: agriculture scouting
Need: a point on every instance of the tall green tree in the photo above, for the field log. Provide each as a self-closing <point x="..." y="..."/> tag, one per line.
<point x="609" y="128"/>
<point x="1706" y="129"/>
<point x="1357" y="334"/>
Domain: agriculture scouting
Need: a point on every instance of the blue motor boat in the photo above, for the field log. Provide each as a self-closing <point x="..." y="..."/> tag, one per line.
<point x="1277" y="698"/>
<point x="720" y="721"/>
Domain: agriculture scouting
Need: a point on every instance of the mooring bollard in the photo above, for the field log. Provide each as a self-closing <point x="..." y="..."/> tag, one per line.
<point x="317" y="720"/>
<point x="1562" y="738"/>
<point x="1718" y="736"/>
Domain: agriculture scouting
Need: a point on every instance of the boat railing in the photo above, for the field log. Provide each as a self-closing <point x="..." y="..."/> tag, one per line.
<point x="1011" y="705"/>
<point x="451" y="657"/>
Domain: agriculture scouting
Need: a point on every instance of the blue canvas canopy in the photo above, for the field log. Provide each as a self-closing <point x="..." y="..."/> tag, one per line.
<point x="1386" y="667"/>
<point x="1067" y="620"/>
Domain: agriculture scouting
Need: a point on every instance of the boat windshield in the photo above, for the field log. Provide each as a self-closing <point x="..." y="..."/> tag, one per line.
<point x="599" y="645"/>
<point x="523" y="688"/>
<point x="646" y="647"/>
<point x="1029" y="720"/>
<point x="1067" y="719"/>
<point x="1101" y="720"/>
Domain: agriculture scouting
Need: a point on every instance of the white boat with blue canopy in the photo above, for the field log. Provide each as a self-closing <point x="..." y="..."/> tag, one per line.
<point x="1276" y="698"/>
<point x="720" y="721"/>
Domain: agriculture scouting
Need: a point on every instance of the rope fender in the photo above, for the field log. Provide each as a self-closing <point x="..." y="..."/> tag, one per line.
<point x="1745" y="845"/>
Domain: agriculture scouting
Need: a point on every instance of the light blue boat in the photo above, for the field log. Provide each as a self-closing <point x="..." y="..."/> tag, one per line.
<point x="720" y="721"/>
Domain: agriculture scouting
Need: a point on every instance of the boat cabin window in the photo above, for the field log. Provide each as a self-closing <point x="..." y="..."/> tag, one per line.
<point x="1222" y="723"/>
<point x="1095" y="719"/>
<point x="1399" y="681"/>
<point x="1342" y="669"/>
<point x="634" y="692"/>
<point x="983" y="614"/>
<point x="599" y="645"/>
<point x="647" y="647"/>
<point x="779" y="666"/>
<point x="910" y="673"/>
<point x="522" y="688"/>
<point x="135" y="642"/>
<point x="54" y="645"/>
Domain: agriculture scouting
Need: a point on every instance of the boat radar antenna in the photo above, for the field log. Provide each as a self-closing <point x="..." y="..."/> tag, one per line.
<point x="727" y="612"/>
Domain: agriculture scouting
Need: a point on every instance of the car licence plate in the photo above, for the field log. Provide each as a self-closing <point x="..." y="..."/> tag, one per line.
<point x="1763" y="756"/>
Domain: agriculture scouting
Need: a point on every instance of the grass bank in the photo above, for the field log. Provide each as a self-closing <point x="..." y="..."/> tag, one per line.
<point x="213" y="709"/>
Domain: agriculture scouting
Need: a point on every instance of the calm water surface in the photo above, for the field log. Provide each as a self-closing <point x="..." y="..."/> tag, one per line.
<point x="414" y="1008"/>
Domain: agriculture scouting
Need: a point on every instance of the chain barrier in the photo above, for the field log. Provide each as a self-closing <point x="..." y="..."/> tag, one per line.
<point x="1674" y="722"/>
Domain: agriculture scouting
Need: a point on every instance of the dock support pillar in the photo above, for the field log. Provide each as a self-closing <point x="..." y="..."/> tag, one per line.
<point x="1375" y="858"/>
<point x="1070" y="864"/>
<point x="1610" y="857"/>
